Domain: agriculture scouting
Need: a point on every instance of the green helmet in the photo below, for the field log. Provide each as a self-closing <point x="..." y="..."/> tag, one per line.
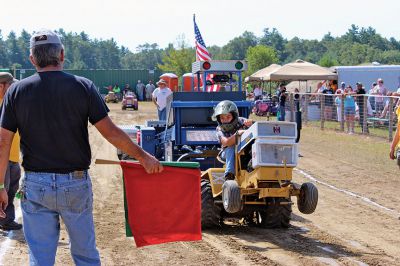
<point x="223" y="108"/>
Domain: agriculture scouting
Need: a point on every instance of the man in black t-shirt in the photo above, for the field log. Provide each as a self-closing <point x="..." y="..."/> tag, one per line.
<point x="51" y="110"/>
<point x="328" y="91"/>
<point x="360" y="91"/>
<point x="282" y="102"/>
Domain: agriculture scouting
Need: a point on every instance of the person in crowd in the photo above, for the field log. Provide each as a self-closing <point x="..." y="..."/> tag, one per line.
<point x="160" y="96"/>
<point x="56" y="152"/>
<point x="371" y="97"/>
<point x="334" y="85"/>
<point x="338" y="103"/>
<point x="320" y="87"/>
<point x="117" y="91"/>
<point x="395" y="104"/>
<point x="328" y="100"/>
<point x="149" y="90"/>
<point x="342" y="85"/>
<point x="379" y="91"/>
<point x="349" y="109"/>
<point x="282" y="102"/>
<point x="13" y="170"/>
<point x="249" y="90"/>
<point x="127" y="89"/>
<point x="140" y="90"/>
<point x="360" y="91"/>
<point x="230" y="124"/>
<point x="257" y="92"/>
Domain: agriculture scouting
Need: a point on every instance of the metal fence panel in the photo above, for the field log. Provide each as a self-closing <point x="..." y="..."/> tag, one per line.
<point x="362" y="114"/>
<point x="105" y="77"/>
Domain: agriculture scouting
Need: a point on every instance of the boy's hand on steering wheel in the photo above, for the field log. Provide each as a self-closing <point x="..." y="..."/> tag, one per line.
<point x="248" y="122"/>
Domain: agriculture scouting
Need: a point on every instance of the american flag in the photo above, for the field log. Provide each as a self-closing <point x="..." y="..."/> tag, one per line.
<point x="202" y="53"/>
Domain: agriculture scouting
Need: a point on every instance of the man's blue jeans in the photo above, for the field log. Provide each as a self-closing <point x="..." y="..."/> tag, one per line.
<point x="281" y="113"/>
<point x="49" y="196"/>
<point x="229" y="155"/>
<point x="162" y="114"/>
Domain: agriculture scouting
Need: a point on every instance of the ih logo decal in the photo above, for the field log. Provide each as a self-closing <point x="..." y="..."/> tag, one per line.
<point x="277" y="130"/>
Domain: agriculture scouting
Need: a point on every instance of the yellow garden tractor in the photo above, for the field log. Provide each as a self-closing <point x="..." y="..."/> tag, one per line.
<point x="266" y="154"/>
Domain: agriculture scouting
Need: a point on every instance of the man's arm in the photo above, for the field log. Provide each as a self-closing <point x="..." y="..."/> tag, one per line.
<point x="6" y="138"/>
<point x="154" y="99"/>
<point x="121" y="140"/>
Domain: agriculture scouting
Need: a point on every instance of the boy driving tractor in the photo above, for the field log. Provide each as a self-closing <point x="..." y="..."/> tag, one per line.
<point x="229" y="126"/>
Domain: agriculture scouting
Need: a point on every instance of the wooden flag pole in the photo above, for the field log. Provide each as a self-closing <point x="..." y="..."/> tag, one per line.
<point x="103" y="161"/>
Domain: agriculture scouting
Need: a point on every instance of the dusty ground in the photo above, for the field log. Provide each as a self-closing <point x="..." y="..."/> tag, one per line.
<point x="346" y="228"/>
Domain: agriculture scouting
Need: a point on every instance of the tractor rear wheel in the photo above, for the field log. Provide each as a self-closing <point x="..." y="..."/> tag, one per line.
<point x="210" y="213"/>
<point x="231" y="196"/>
<point x="308" y="199"/>
<point x="275" y="215"/>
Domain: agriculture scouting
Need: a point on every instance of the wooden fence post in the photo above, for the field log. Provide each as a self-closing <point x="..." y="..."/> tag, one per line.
<point x="390" y="119"/>
<point x="365" y="114"/>
<point x="305" y="113"/>
<point x="291" y="107"/>
<point x="322" y="110"/>
<point x="342" y="111"/>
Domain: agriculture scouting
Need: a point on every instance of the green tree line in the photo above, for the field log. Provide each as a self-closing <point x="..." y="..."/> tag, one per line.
<point x="356" y="46"/>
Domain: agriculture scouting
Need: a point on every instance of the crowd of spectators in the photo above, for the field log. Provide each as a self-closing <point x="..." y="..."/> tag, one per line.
<point x="372" y="102"/>
<point x="142" y="92"/>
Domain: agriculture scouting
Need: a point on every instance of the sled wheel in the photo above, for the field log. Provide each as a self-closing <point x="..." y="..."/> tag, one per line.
<point x="308" y="199"/>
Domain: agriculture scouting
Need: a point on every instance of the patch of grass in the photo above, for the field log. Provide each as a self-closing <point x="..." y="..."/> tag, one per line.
<point x="382" y="132"/>
<point x="358" y="149"/>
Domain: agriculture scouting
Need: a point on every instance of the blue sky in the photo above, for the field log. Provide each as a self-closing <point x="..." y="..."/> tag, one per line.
<point x="136" y="22"/>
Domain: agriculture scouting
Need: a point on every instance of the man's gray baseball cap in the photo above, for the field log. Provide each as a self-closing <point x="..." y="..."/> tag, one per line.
<point x="6" y="77"/>
<point x="44" y="37"/>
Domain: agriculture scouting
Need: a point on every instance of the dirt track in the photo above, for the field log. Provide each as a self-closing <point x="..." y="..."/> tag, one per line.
<point x="345" y="229"/>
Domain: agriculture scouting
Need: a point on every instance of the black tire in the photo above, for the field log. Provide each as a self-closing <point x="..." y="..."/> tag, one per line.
<point x="308" y="199"/>
<point x="123" y="108"/>
<point x="276" y="215"/>
<point x="210" y="213"/>
<point x="231" y="196"/>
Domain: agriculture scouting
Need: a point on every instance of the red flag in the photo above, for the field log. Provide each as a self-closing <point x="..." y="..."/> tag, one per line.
<point x="163" y="207"/>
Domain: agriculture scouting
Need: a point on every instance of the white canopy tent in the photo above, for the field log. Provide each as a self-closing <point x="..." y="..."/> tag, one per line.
<point x="302" y="70"/>
<point x="262" y="74"/>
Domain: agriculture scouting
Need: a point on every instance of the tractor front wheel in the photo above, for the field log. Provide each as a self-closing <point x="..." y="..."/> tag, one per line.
<point x="231" y="196"/>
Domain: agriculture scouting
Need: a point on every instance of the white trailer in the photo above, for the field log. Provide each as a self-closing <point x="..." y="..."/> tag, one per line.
<point x="369" y="74"/>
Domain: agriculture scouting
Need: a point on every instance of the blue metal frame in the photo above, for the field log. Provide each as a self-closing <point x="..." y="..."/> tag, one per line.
<point x="179" y="106"/>
<point x="205" y="73"/>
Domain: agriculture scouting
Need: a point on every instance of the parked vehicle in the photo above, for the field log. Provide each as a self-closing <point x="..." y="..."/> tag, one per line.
<point x="129" y="101"/>
<point x="369" y="74"/>
<point x="111" y="97"/>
